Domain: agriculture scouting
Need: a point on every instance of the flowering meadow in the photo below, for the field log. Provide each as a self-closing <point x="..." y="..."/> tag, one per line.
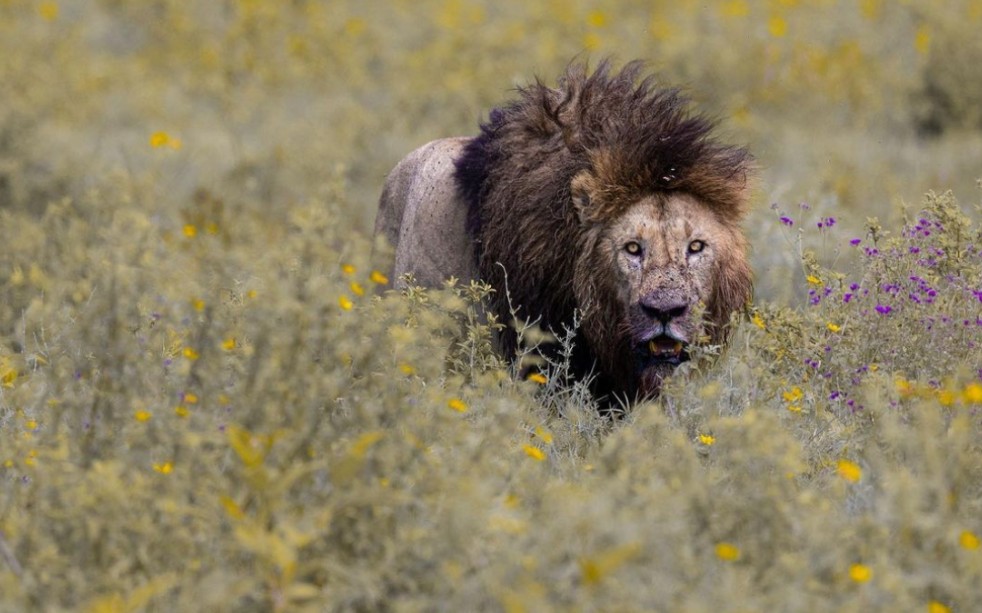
<point x="211" y="401"/>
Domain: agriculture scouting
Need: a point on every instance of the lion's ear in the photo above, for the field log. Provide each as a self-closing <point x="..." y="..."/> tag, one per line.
<point x="581" y="202"/>
<point x="580" y="194"/>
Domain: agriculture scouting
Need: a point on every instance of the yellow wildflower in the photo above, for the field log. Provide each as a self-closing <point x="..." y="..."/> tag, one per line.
<point x="850" y="471"/>
<point x="968" y="540"/>
<point x="190" y="230"/>
<point x="31" y="424"/>
<point x="8" y="376"/>
<point x="758" y="321"/>
<point x="357" y="289"/>
<point x="833" y="327"/>
<point x="378" y="278"/>
<point x="728" y="552"/>
<point x="163" y="139"/>
<point x="457" y="405"/>
<point x="904" y="387"/>
<point x="860" y="573"/>
<point x="191" y="354"/>
<point x="229" y="344"/>
<point x="142" y="415"/>
<point x="348" y="269"/>
<point x="707" y="439"/>
<point x="972" y="394"/>
<point x="181" y="411"/>
<point x="937" y="607"/>
<point x="544" y="435"/>
<point x="777" y="26"/>
<point x="793" y="395"/>
<point x="198" y="304"/>
<point x="946" y="397"/>
<point x="922" y="39"/>
<point x="31" y="458"/>
<point x="407" y="369"/>
<point x="534" y="452"/>
<point x="48" y="11"/>
<point x="596" y="19"/>
<point x="190" y="398"/>
<point x="538" y="377"/>
<point x="164" y="468"/>
<point x="813" y="280"/>
<point x="345" y="303"/>
<point x="794" y="408"/>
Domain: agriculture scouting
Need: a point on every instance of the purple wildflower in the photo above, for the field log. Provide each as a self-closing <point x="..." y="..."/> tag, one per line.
<point x="883" y="309"/>
<point x="787" y="220"/>
<point x="855" y="241"/>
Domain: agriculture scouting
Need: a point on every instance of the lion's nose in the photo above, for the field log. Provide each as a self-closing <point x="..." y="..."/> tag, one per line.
<point x="664" y="310"/>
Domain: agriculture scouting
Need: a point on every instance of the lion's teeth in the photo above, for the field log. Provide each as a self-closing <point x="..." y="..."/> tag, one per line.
<point x="665" y="347"/>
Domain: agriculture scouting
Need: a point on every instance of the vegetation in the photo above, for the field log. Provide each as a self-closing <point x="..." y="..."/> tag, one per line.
<point x="208" y="401"/>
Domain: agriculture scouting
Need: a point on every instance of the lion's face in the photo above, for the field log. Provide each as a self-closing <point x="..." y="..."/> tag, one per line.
<point x="666" y="255"/>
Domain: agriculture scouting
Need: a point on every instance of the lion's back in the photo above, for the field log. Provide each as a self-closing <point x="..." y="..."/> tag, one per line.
<point x="423" y="217"/>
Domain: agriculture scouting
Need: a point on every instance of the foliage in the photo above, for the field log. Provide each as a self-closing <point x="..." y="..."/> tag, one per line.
<point x="209" y="400"/>
<point x="951" y="82"/>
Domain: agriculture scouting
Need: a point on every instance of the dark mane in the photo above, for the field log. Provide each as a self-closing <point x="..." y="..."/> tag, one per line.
<point x="658" y="143"/>
<point x="635" y="138"/>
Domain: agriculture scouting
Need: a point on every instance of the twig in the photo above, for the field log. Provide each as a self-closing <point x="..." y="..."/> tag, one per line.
<point x="9" y="558"/>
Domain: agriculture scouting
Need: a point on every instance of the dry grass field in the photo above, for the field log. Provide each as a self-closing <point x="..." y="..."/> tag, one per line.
<point x="207" y="402"/>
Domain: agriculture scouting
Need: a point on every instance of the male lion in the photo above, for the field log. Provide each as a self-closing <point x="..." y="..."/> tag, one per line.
<point x="603" y="197"/>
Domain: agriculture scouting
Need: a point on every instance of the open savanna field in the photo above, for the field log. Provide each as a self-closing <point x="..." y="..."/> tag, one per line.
<point x="208" y="402"/>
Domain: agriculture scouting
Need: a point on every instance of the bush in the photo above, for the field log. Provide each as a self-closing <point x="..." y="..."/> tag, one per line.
<point x="952" y="86"/>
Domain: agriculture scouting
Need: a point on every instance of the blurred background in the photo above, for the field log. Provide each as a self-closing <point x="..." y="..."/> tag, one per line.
<point x="852" y="108"/>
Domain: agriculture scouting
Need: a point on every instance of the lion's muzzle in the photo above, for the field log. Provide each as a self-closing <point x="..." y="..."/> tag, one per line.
<point x="661" y="329"/>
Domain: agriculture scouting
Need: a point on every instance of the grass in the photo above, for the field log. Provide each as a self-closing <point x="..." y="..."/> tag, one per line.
<point x="209" y="402"/>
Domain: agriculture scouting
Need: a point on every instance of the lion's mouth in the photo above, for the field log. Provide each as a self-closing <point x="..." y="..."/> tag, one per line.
<point x="664" y="349"/>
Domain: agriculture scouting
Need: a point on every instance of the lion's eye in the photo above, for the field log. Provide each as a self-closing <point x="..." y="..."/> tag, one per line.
<point x="633" y="248"/>
<point x="696" y="246"/>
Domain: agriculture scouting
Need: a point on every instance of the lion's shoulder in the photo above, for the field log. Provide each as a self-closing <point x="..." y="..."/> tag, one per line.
<point x="423" y="217"/>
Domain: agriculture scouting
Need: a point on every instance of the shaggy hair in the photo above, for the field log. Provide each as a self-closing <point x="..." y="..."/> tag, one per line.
<point x="636" y="140"/>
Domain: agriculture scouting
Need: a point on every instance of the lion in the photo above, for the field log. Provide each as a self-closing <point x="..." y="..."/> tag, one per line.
<point x="604" y="201"/>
